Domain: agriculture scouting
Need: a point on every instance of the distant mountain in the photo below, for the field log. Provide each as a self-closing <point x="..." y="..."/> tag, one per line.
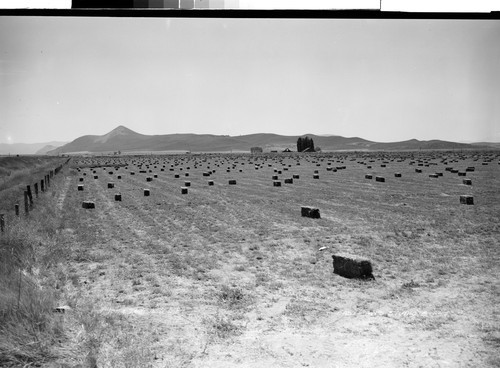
<point x="27" y="148"/>
<point x="125" y="140"/>
<point x="487" y="144"/>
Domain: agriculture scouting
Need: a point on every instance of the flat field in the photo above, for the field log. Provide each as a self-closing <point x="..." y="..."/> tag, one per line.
<point x="234" y="276"/>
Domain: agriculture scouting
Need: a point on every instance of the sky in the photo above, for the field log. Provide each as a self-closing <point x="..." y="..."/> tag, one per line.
<point x="382" y="80"/>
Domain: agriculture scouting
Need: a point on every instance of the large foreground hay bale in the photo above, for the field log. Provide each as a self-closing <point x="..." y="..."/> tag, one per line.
<point x="311" y="212"/>
<point x="111" y="185"/>
<point x="118" y="197"/>
<point x="146" y="193"/>
<point x="184" y="190"/>
<point x="80" y="187"/>
<point x="352" y="267"/>
<point x="380" y="179"/>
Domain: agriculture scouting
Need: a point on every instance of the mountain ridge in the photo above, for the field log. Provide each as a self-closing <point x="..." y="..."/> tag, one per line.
<point x="124" y="139"/>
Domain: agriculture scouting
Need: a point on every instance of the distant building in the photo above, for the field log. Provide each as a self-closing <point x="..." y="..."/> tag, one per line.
<point x="256" y="150"/>
<point x="287" y="150"/>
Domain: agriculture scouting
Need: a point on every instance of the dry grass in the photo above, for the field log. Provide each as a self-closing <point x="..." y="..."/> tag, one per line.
<point x="234" y="276"/>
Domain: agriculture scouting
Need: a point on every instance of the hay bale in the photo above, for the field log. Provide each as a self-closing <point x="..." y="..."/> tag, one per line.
<point x="146" y="192"/>
<point x="397" y="175"/>
<point x="184" y="190"/>
<point x="275" y="177"/>
<point x="352" y="267"/>
<point x="288" y="181"/>
<point x="467" y="181"/>
<point x="186" y="174"/>
<point x="368" y="176"/>
<point x="80" y="187"/>
<point x="81" y="179"/>
<point x="118" y="197"/>
<point x="155" y="176"/>
<point x="470" y="168"/>
<point x="119" y="176"/>
<point x="315" y="176"/>
<point x="111" y="185"/>
<point x="433" y="176"/>
<point x="88" y="204"/>
<point x="206" y="173"/>
<point x="462" y="173"/>
<point x="96" y="177"/>
<point x="311" y="212"/>
<point x="232" y="182"/>
<point x="187" y="183"/>
<point x="276" y="183"/>
<point x="380" y="179"/>
<point x="149" y="178"/>
<point x="466" y="199"/>
<point x="132" y="173"/>
<point x="176" y="176"/>
<point x="210" y="182"/>
<point x="418" y="171"/>
<point x="296" y="176"/>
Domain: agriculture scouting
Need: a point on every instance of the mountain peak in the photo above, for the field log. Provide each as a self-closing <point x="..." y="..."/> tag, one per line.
<point x="122" y="129"/>
<point x="119" y="130"/>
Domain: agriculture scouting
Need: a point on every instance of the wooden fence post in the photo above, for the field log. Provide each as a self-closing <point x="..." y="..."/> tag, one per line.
<point x="26" y="202"/>
<point x="36" y="189"/>
<point x="2" y="223"/>
<point x="42" y="187"/>
<point x="16" y="207"/>
<point x="30" y="196"/>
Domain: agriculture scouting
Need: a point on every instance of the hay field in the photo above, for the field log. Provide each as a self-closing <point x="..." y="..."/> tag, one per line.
<point x="233" y="276"/>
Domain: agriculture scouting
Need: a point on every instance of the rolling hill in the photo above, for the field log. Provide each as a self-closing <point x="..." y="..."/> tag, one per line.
<point x="125" y="140"/>
<point x="28" y="148"/>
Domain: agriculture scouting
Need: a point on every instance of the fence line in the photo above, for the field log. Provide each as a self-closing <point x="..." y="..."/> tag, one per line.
<point x="28" y="195"/>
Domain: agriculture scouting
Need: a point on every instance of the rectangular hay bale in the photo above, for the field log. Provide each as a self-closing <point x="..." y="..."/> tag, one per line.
<point x="352" y="267"/>
<point x="310" y="212"/>
<point x="466" y="199"/>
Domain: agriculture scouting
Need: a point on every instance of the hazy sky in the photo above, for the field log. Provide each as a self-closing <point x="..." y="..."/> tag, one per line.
<point x="383" y="80"/>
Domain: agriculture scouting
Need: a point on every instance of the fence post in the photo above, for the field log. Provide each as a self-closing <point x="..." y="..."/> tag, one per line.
<point x="30" y="195"/>
<point x="26" y="202"/>
<point x="36" y="189"/>
<point x="48" y="181"/>
<point x="16" y="206"/>
<point x="2" y="223"/>
<point x="42" y="188"/>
